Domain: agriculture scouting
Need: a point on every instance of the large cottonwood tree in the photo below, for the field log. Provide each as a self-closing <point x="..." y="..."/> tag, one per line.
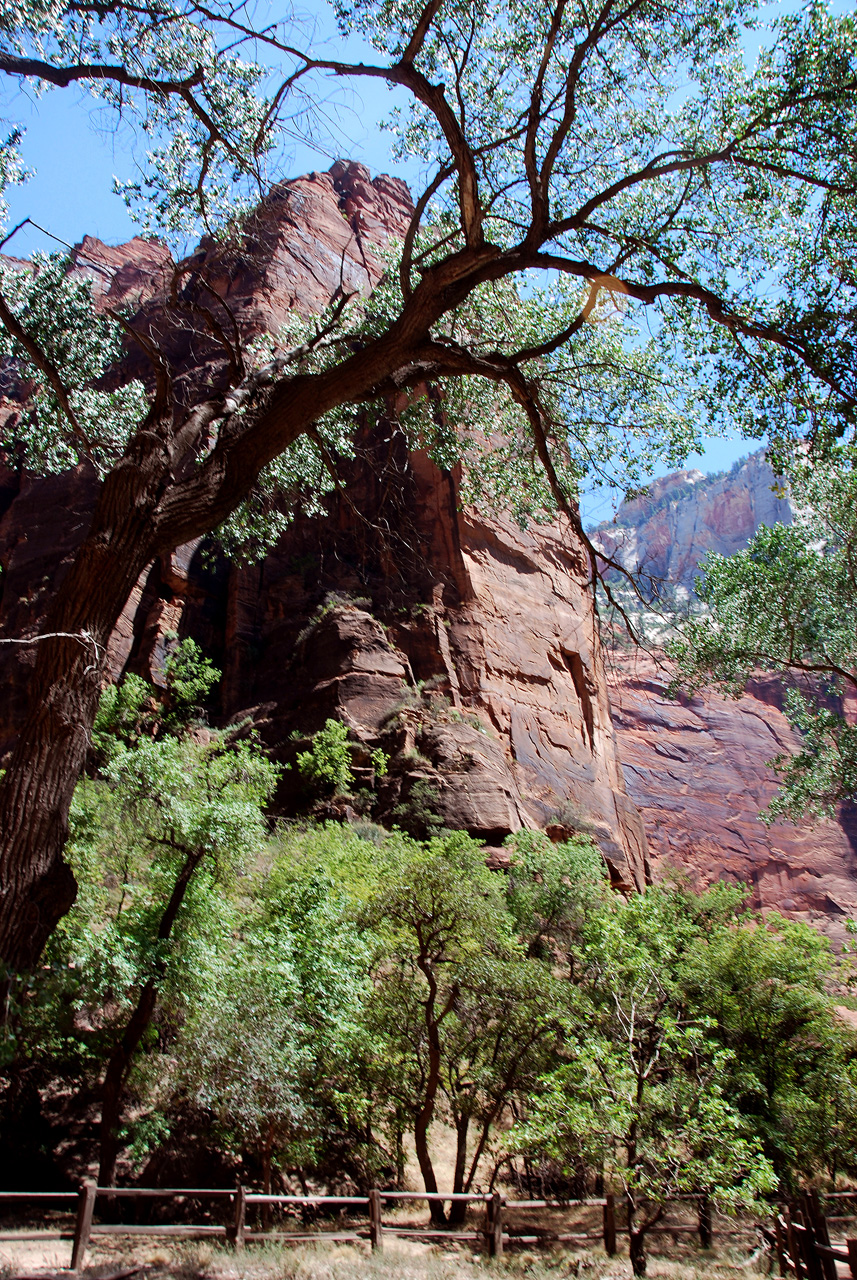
<point x="624" y="232"/>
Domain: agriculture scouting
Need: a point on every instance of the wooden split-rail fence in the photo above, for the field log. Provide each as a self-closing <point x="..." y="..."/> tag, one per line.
<point x="494" y="1231"/>
<point x="802" y="1244"/>
<point x="800" y="1238"/>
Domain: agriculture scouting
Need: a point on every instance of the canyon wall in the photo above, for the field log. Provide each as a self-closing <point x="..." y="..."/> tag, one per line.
<point x="697" y="768"/>
<point x="354" y="613"/>
<point x="668" y="529"/>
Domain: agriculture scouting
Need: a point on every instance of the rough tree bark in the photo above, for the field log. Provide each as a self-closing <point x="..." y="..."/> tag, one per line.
<point x="37" y="885"/>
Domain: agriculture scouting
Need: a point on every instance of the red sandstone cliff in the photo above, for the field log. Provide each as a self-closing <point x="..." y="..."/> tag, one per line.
<point x="500" y="621"/>
<point x="697" y="770"/>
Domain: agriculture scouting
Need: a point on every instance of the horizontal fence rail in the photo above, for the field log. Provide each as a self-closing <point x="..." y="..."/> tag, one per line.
<point x="800" y="1239"/>
<point x="494" y="1232"/>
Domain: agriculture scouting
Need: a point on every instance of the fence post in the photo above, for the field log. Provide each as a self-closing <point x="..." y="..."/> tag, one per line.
<point x="83" y="1225"/>
<point x="808" y="1252"/>
<point x="794" y="1248"/>
<point x="376" y="1238"/>
<point x="779" y="1237"/>
<point x="610" y="1224"/>
<point x="240" y="1219"/>
<point x="852" y="1258"/>
<point x="494" y="1224"/>
<point x="704" y="1218"/>
<point x="816" y="1220"/>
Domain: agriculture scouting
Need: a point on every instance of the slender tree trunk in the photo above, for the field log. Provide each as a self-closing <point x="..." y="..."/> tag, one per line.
<point x="426" y="1112"/>
<point x="705" y="1224"/>
<point x="267" y="1158"/>
<point x="636" y="1238"/>
<point x="424" y="1160"/>
<point x="637" y="1251"/>
<point x="123" y="1054"/>
<point x="114" y="1081"/>
<point x="636" y="1235"/>
<point x="458" y="1208"/>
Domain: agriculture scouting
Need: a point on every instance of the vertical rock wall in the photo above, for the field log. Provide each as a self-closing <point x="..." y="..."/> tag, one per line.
<point x="500" y="622"/>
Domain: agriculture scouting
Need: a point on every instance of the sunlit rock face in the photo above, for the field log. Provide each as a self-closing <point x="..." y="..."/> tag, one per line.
<point x="698" y="769"/>
<point x="666" y="531"/>
<point x="515" y="725"/>
<point x="698" y="772"/>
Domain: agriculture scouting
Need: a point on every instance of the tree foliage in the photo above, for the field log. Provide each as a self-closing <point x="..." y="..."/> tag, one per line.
<point x="328" y="762"/>
<point x="343" y="995"/>
<point x="693" y="1065"/>
<point x="173" y="812"/>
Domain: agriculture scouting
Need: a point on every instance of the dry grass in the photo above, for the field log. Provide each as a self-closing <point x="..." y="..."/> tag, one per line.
<point x="400" y="1260"/>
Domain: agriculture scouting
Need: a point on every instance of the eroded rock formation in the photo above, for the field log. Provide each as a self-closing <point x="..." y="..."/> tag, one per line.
<point x="352" y="612"/>
<point x="698" y="770"/>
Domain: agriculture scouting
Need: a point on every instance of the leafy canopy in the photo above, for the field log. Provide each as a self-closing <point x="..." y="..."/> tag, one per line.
<point x="642" y="262"/>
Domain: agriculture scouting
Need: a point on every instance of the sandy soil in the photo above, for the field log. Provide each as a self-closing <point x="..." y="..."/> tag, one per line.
<point x="400" y="1260"/>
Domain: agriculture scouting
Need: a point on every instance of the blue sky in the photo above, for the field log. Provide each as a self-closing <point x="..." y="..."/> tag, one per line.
<point x="74" y="158"/>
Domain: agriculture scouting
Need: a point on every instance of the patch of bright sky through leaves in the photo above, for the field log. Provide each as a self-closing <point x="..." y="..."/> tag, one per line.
<point x="73" y="156"/>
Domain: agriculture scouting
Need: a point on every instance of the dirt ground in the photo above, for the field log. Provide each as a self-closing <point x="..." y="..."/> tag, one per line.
<point x="400" y="1260"/>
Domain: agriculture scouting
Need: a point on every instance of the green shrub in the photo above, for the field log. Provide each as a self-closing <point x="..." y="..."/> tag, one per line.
<point x="328" y="762"/>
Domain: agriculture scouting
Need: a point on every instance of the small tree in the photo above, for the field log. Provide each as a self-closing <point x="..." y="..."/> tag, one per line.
<point x="327" y="765"/>
<point x="453" y="992"/>
<point x="640" y="1093"/>
<point x="793" y="1069"/>
<point x="274" y="1047"/>
<point x="172" y="812"/>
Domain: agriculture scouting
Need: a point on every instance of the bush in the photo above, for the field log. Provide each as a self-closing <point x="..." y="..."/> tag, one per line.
<point x="327" y="765"/>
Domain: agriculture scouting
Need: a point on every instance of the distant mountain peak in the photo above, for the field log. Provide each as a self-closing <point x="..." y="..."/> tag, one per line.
<point x="665" y="531"/>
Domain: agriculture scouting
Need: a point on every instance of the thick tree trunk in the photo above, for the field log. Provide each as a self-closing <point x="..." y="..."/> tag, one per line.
<point x="36" y="886"/>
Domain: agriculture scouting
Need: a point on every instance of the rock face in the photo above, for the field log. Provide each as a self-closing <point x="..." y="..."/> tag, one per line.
<point x="698" y="770"/>
<point x="666" y="531"/>
<point x="462" y="646"/>
<point x="396" y="588"/>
